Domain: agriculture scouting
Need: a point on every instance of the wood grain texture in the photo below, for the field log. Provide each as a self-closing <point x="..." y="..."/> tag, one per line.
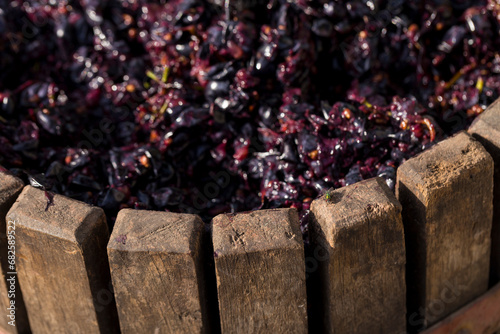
<point x="10" y="188"/>
<point x="486" y="129"/>
<point x="482" y="316"/>
<point x="358" y="233"/>
<point x="62" y="264"/>
<point x="260" y="270"/>
<point x="447" y="198"/>
<point x="157" y="271"/>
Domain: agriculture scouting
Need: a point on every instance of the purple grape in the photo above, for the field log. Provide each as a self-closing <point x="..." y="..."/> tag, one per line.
<point x="181" y="106"/>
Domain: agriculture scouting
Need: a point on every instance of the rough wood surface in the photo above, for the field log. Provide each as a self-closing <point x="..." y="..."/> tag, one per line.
<point x="157" y="271"/>
<point x="447" y="198"/>
<point x="62" y="264"/>
<point x="486" y="129"/>
<point x="10" y="188"/>
<point x="260" y="269"/>
<point x="482" y="316"/>
<point x="357" y="233"/>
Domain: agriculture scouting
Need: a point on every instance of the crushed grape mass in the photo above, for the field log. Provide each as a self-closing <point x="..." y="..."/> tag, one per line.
<point x="192" y="107"/>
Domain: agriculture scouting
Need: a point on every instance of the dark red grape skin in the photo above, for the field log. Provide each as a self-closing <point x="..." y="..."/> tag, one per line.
<point x="149" y="105"/>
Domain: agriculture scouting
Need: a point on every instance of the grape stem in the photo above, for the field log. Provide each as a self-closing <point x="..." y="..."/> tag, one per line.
<point x="228" y="12"/>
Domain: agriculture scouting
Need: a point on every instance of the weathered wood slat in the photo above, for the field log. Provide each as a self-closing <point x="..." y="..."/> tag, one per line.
<point x="260" y="269"/>
<point x="486" y="129"/>
<point x="480" y="316"/>
<point x="156" y="261"/>
<point x="357" y="233"/>
<point x="447" y="198"/>
<point x="62" y="264"/>
<point x="10" y="188"/>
